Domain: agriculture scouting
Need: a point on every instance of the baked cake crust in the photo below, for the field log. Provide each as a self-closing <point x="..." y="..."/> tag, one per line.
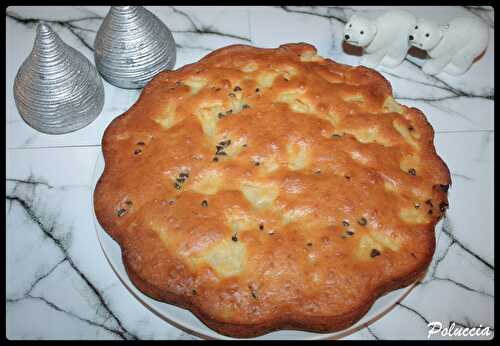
<point x="268" y="189"/>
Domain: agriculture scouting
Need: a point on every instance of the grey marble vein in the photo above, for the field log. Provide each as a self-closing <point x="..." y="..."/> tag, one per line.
<point x="35" y="282"/>
<point x="30" y="139"/>
<point x="68" y="24"/>
<point x="54" y="306"/>
<point x="447" y="230"/>
<point x="184" y="46"/>
<point x="461" y="285"/>
<point x="406" y="307"/>
<point x="30" y="181"/>
<point x="48" y="231"/>
<point x="453" y="241"/>
<point x="372" y="333"/>
<point x="204" y="30"/>
<point x="210" y="32"/>
<point x="79" y="31"/>
<point x="461" y="176"/>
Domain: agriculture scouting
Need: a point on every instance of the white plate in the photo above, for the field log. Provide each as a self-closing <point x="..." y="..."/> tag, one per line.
<point x="185" y="320"/>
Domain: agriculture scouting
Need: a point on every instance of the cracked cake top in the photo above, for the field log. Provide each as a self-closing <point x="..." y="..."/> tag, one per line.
<point x="271" y="188"/>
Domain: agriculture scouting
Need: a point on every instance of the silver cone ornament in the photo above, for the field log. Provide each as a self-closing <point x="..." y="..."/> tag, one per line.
<point x="132" y="46"/>
<point x="57" y="89"/>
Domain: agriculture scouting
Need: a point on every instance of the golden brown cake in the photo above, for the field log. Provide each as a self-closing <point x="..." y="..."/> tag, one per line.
<point x="267" y="189"/>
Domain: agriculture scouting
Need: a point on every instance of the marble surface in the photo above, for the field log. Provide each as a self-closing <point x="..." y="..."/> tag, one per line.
<point x="59" y="285"/>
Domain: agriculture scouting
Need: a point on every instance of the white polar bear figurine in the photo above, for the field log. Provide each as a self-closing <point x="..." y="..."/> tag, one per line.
<point x="383" y="39"/>
<point x="452" y="47"/>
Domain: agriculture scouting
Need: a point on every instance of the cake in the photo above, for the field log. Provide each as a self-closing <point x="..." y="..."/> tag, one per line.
<point x="267" y="189"/>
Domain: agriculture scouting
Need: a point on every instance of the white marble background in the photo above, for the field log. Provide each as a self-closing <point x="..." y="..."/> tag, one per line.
<point x="59" y="285"/>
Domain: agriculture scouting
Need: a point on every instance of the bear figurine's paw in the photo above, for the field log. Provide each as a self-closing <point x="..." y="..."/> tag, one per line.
<point x="369" y="61"/>
<point x="455" y="70"/>
<point x="389" y="61"/>
<point x="460" y="63"/>
<point x="431" y="68"/>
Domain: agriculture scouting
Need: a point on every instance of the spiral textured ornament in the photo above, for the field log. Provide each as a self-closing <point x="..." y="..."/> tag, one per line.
<point x="132" y="46"/>
<point x="57" y="89"/>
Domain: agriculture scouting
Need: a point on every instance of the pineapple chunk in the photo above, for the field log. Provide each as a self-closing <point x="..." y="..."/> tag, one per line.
<point x="260" y="195"/>
<point x="298" y="155"/>
<point x="208" y="182"/>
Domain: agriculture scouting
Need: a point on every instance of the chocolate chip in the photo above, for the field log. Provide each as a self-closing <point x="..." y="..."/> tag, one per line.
<point x="215" y="159"/>
<point x="362" y="221"/>
<point x="223" y="144"/>
<point x="412" y="171"/>
<point x="443" y="206"/>
<point x="347" y="234"/>
<point x="194" y="292"/>
<point x="261" y="226"/>
<point x="121" y="212"/>
<point x="232" y="94"/>
<point x="374" y="253"/>
<point x="345" y="223"/>
<point x="254" y="296"/>
<point x="257" y="90"/>
<point x="204" y="204"/>
<point x="237" y="88"/>
<point x="417" y="205"/>
<point x="137" y="151"/>
<point x="140" y="143"/>
<point x="336" y="136"/>
<point x="234" y="238"/>
<point x="245" y="106"/>
<point x="444" y="188"/>
<point x="181" y="179"/>
<point x="309" y="244"/>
